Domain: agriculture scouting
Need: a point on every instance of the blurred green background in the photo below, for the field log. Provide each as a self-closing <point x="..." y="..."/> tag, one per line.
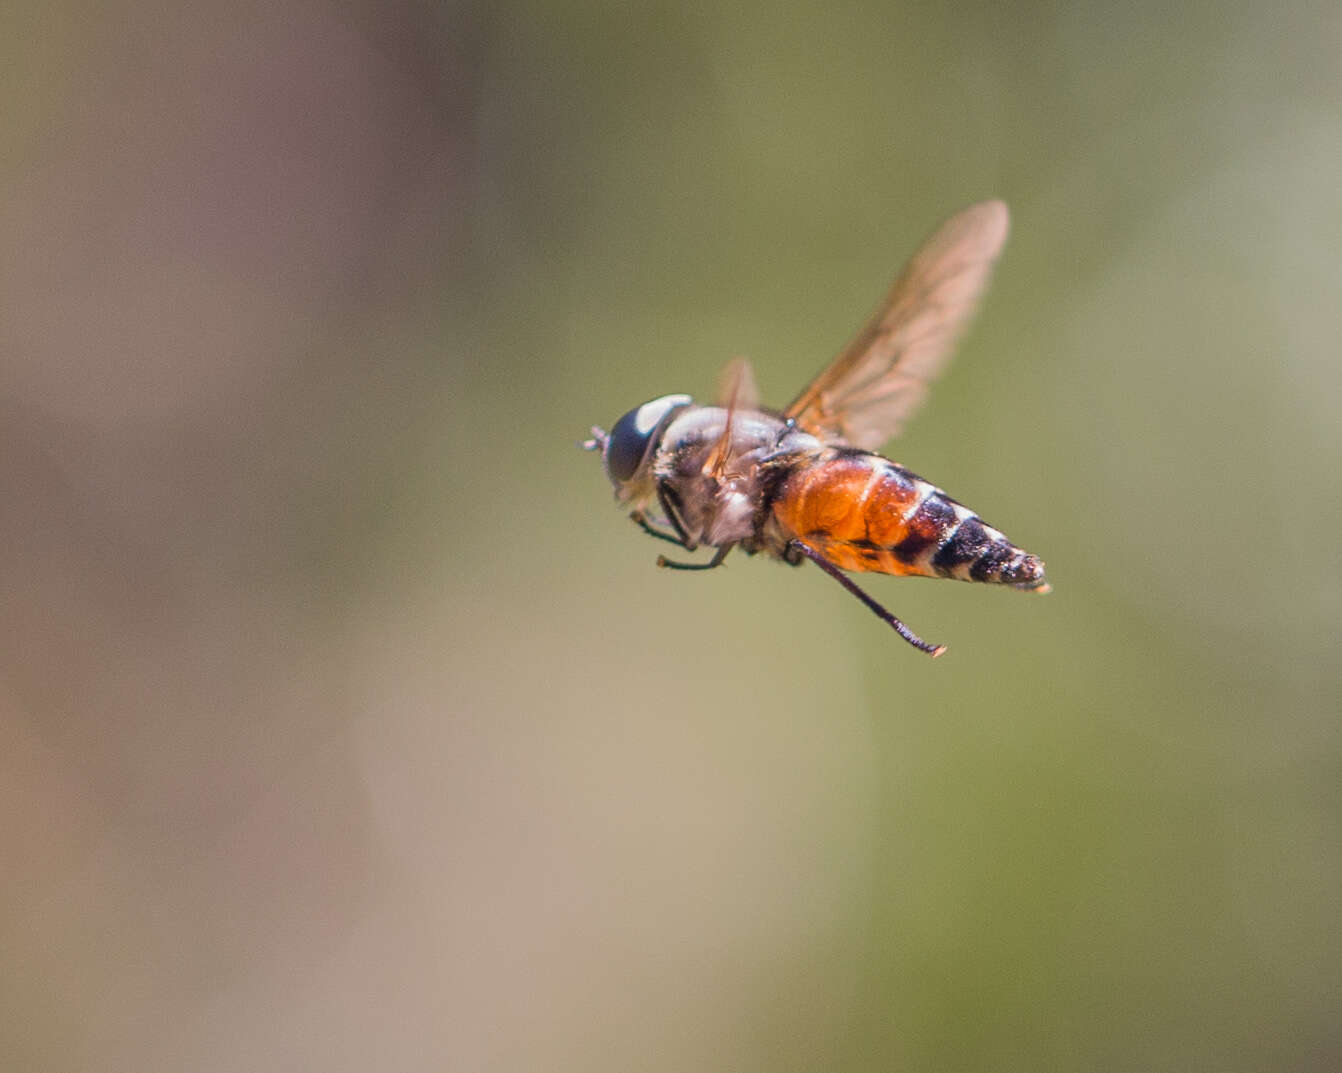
<point x="345" y="723"/>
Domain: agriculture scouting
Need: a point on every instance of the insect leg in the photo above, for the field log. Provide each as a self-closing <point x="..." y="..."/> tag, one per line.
<point x="721" y="554"/>
<point x="670" y="503"/>
<point x="880" y="612"/>
<point x="647" y="527"/>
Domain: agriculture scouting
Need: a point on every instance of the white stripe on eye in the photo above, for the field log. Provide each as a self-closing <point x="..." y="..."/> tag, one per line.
<point x="650" y="413"/>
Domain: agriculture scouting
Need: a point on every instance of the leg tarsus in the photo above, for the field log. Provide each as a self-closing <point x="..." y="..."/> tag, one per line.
<point x="721" y="554"/>
<point x="880" y="612"/>
<point x="647" y="527"/>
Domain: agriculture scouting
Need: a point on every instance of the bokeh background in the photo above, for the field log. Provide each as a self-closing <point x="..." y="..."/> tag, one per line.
<point x="346" y="725"/>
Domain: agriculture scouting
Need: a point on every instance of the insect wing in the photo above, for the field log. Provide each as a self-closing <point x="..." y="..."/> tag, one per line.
<point x="736" y="386"/>
<point x="736" y="392"/>
<point x="864" y="396"/>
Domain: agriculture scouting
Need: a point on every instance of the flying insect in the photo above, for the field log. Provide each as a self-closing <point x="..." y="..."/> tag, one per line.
<point x="805" y="483"/>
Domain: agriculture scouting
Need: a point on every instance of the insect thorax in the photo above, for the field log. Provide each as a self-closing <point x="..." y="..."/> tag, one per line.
<point x="726" y="507"/>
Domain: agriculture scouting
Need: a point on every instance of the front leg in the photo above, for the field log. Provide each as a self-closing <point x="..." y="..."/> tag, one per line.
<point x="639" y="519"/>
<point x="671" y="507"/>
<point x="721" y="554"/>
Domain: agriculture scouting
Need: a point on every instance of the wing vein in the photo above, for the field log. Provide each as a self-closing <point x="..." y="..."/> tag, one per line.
<point x="867" y="393"/>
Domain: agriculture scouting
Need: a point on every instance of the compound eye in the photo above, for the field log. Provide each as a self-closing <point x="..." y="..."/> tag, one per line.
<point x="632" y="434"/>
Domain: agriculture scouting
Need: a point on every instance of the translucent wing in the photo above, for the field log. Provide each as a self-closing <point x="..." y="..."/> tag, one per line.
<point x="736" y="385"/>
<point x="863" y="396"/>
<point x="736" y="392"/>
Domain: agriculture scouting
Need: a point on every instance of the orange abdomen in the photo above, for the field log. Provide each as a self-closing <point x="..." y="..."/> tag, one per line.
<point x="863" y="512"/>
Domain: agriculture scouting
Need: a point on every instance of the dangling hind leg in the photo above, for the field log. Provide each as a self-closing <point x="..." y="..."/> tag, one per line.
<point x="879" y="611"/>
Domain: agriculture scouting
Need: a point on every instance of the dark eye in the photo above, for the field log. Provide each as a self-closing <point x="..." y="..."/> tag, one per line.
<point x="629" y="439"/>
